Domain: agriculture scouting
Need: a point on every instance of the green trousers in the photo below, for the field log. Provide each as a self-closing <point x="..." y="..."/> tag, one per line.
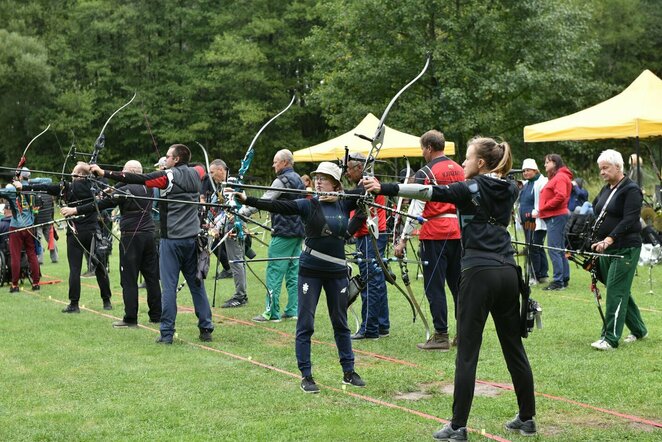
<point x="621" y="308"/>
<point x="281" y="247"/>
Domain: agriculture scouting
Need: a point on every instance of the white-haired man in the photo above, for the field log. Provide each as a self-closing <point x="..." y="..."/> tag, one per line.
<point x="286" y="239"/>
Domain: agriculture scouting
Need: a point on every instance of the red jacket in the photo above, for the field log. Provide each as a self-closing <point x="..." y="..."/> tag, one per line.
<point x="555" y="195"/>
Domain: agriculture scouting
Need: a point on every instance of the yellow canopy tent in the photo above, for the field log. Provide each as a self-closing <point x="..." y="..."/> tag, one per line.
<point x="635" y="112"/>
<point x="396" y="144"/>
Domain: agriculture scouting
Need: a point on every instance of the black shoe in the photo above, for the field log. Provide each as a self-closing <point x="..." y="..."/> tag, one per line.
<point x="14" y="289"/>
<point x="447" y="433"/>
<point x="358" y="336"/>
<point x="235" y="302"/>
<point x="224" y="274"/>
<point x="155" y="321"/>
<point x="205" y="334"/>
<point x="352" y="378"/>
<point x="36" y="287"/>
<point x="566" y="282"/>
<point x="71" y="309"/>
<point x="88" y="275"/>
<point x="384" y="333"/>
<point x="308" y="385"/>
<point x="163" y="340"/>
<point x="555" y="286"/>
<point x="107" y="305"/>
<point x="122" y="324"/>
<point x="525" y="428"/>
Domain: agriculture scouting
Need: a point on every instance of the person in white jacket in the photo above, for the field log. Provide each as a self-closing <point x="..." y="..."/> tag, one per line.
<point x="534" y="228"/>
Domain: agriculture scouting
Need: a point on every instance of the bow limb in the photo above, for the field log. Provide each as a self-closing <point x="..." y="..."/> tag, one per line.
<point x="407" y="282"/>
<point x="23" y="159"/>
<point x="246" y="163"/>
<point x="390" y="277"/>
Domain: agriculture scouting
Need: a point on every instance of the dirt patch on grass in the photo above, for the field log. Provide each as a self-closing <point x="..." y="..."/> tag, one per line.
<point x="413" y="396"/>
<point x="447" y="388"/>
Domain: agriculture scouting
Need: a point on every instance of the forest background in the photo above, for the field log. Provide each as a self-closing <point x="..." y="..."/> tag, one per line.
<point x="215" y="71"/>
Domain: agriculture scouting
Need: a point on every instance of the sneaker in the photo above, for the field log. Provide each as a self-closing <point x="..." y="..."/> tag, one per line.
<point x="36" y="287"/>
<point x="155" y="321"/>
<point x="107" y="305"/>
<point x="88" y="275"/>
<point x="14" y="289"/>
<point x="632" y="338"/>
<point x="602" y="344"/>
<point x="235" y="302"/>
<point x="358" y="336"/>
<point x="454" y="341"/>
<point x="122" y="324"/>
<point x="438" y="341"/>
<point x="308" y="385"/>
<point x="566" y="282"/>
<point x="225" y="274"/>
<point x="163" y="340"/>
<point x="543" y="280"/>
<point x="525" y="428"/>
<point x="71" y="308"/>
<point x="143" y="285"/>
<point x="261" y="318"/>
<point x="205" y="334"/>
<point x="352" y="378"/>
<point x="286" y="316"/>
<point x="447" y="433"/>
<point x="384" y="333"/>
<point x="555" y="286"/>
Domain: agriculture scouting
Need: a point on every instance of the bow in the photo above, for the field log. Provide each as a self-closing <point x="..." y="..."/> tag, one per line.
<point x="99" y="145"/>
<point x="246" y="163"/>
<point x="372" y="220"/>
<point x="404" y="270"/>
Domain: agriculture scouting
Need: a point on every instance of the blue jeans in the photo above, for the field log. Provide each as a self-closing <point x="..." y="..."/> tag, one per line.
<point x="556" y="238"/>
<point x="181" y="255"/>
<point x="374" y="307"/>
<point x="336" y="301"/>
<point x="538" y="256"/>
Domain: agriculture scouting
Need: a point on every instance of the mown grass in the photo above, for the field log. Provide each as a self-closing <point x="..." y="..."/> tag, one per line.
<point x="74" y="377"/>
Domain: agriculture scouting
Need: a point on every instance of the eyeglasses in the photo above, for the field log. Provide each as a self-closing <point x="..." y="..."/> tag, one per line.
<point x="321" y="178"/>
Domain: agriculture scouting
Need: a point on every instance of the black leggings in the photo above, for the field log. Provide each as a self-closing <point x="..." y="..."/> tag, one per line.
<point x="483" y="291"/>
<point x="76" y="247"/>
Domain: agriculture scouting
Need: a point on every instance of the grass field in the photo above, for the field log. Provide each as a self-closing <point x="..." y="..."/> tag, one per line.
<point x="74" y="377"/>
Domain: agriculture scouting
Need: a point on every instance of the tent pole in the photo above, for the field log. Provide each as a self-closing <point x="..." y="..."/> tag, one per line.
<point x="638" y="162"/>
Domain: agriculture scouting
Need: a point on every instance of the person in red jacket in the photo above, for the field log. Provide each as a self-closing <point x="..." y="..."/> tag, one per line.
<point x="553" y="209"/>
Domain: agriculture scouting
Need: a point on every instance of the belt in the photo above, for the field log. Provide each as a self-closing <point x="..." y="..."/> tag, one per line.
<point x="324" y="256"/>
<point x="445" y="215"/>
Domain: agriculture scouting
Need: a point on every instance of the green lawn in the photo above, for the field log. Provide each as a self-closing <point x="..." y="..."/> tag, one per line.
<point x="74" y="377"/>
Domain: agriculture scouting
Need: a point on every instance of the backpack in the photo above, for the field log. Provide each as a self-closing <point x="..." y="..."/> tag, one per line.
<point x="578" y="231"/>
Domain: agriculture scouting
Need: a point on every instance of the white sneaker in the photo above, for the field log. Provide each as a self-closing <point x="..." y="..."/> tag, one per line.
<point x="632" y="338"/>
<point x="602" y="345"/>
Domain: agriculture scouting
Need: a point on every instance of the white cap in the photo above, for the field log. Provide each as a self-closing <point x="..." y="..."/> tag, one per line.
<point x="530" y="163"/>
<point x="329" y="168"/>
<point x="161" y="162"/>
<point x="25" y="172"/>
<point x="2" y="207"/>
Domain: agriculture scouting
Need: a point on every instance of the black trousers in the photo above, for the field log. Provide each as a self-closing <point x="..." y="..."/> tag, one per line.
<point x="138" y="254"/>
<point x="76" y="247"/>
<point x="443" y="257"/>
<point x="483" y="291"/>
